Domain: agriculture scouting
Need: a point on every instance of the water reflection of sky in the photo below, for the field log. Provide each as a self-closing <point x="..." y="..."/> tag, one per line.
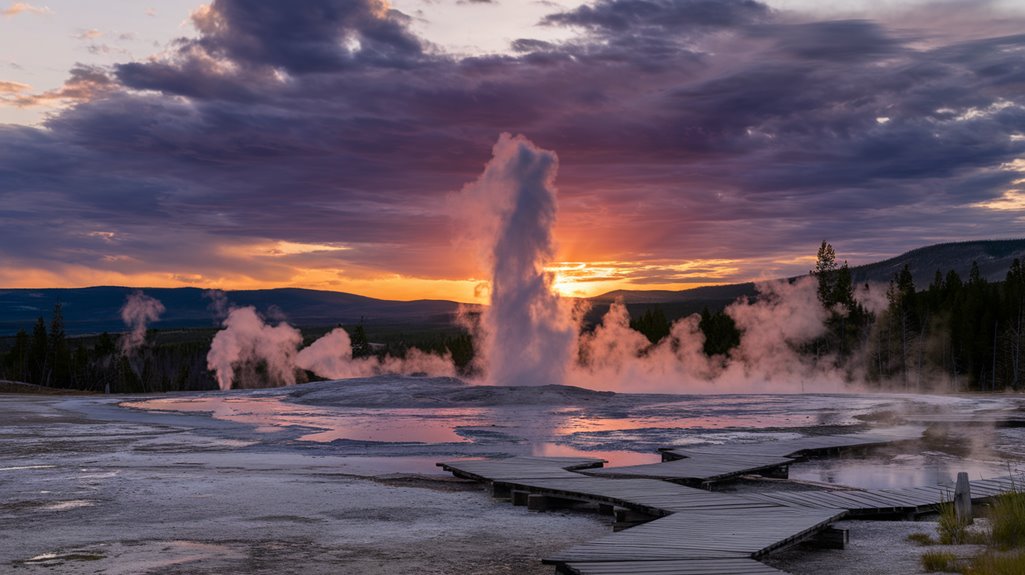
<point x="528" y="423"/>
<point x="622" y="433"/>
<point x="905" y="470"/>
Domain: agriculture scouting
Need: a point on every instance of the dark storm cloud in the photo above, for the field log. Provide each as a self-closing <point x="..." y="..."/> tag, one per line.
<point x="684" y="128"/>
<point x="614" y="16"/>
<point x="308" y="36"/>
<point x="845" y="40"/>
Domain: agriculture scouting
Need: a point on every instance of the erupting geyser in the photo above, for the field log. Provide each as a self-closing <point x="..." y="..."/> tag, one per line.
<point x="526" y="335"/>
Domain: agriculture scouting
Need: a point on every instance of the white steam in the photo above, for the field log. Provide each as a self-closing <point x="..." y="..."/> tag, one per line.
<point x="139" y="309"/>
<point x="331" y="357"/>
<point x="248" y="341"/>
<point x="526" y="336"/>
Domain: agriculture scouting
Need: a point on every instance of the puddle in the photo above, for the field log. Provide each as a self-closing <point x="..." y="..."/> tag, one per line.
<point x="67" y="505"/>
<point x="53" y="559"/>
<point x="125" y="558"/>
<point x="908" y="470"/>
<point x="614" y="458"/>
<point x="270" y="414"/>
<point x="23" y="467"/>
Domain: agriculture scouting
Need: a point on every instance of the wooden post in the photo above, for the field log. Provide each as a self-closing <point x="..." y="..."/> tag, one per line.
<point x="520" y="497"/>
<point x="500" y="491"/>
<point x="537" y="502"/>
<point x="831" y="538"/>
<point x="963" y="499"/>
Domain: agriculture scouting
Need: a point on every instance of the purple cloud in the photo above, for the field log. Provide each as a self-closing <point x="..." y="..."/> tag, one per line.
<point x="685" y="129"/>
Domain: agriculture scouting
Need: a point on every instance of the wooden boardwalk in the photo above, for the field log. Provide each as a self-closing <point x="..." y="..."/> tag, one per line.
<point x="650" y="496"/>
<point x="907" y="501"/>
<point x="694" y="530"/>
<point x="695" y="468"/>
<point x="721" y="534"/>
<point x="699" y="466"/>
<point x="714" y="566"/>
<point x="520" y="468"/>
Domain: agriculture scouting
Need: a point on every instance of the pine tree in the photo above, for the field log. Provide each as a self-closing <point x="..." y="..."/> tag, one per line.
<point x="16" y="363"/>
<point x="901" y="296"/>
<point x="360" y="345"/>
<point x="825" y="272"/>
<point x="653" y="324"/>
<point x="38" y="352"/>
<point x="59" y="356"/>
<point x="1014" y="290"/>
<point x="720" y="331"/>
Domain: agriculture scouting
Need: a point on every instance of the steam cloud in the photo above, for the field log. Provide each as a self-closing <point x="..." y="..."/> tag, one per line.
<point x="247" y="341"/>
<point x="139" y="309"/>
<point x="527" y="335"/>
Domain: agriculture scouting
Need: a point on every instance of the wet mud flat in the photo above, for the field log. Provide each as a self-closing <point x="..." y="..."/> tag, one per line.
<point x="86" y="487"/>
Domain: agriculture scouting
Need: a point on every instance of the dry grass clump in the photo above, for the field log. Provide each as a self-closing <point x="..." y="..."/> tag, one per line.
<point x="939" y="561"/>
<point x="991" y="563"/>
<point x="1007" y="518"/>
<point x="953" y="530"/>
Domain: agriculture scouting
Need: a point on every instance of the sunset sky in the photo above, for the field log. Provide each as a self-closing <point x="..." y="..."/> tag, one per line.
<point x="322" y="143"/>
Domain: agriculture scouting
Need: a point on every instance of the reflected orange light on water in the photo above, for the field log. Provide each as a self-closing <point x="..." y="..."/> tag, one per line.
<point x="269" y="415"/>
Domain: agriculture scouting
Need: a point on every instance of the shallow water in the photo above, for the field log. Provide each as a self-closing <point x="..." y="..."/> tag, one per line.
<point x="621" y="431"/>
<point x="906" y="470"/>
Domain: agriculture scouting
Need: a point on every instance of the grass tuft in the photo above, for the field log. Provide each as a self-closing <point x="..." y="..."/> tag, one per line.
<point x="953" y="531"/>
<point x="939" y="561"/>
<point x="1007" y="518"/>
<point x="991" y="563"/>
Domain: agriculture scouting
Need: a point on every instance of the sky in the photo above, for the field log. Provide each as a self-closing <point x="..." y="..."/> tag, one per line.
<point x="323" y="144"/>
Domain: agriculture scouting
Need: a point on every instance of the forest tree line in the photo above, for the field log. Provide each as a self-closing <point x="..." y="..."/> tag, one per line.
<point x="956" y="333"/>
<point x="174" y="360"/>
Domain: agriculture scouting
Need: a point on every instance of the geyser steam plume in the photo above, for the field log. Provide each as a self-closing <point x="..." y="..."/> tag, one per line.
<point x="526" y="335"/>
<point x="247" y="340"/>
<point x="139" y="310"/>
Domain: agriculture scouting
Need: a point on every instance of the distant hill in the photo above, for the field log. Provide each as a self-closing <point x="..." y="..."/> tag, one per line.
<point x="95" y="309"/>
<point x="725" y="293"/>
<point x="993" y="256"/>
